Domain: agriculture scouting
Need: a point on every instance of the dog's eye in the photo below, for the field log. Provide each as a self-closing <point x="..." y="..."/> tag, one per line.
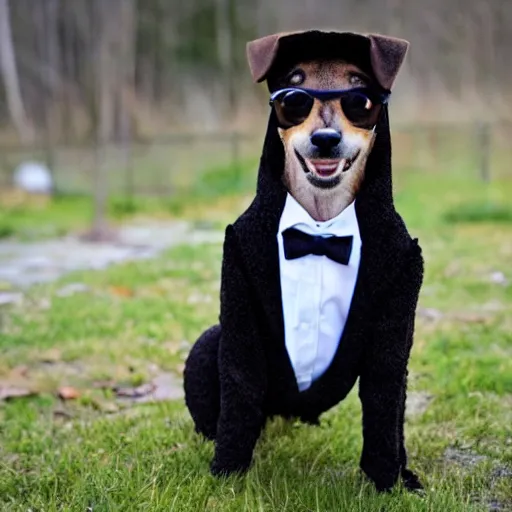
<point x="357" y="81"/>
<point x="296" y="77"/>
<point x="368" y="105"/>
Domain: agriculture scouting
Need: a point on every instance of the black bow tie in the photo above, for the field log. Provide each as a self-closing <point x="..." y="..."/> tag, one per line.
<point x="298" y="244"/>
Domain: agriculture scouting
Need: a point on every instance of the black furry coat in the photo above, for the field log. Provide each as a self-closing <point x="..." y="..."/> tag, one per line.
<point x="239" y="373"/>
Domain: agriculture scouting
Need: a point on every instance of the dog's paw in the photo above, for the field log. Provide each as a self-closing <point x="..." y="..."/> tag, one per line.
<point x="225" y="470"/>
<point x="208" y="434"/>
<point x="383" y="483"/>
<point x="311" y="420"/>
<point x="411" y="481"/>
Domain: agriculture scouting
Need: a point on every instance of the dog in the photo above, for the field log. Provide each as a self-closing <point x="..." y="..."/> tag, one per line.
<point x="320" y="278"/>
<point x="325" y="154"/>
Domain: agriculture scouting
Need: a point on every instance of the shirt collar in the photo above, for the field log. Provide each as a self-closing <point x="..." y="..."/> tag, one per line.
<point x="294" y="215"/>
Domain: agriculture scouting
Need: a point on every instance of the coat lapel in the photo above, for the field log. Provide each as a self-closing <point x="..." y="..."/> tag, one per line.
<point x="385" y="240"/>
<point x="257" y="235"/>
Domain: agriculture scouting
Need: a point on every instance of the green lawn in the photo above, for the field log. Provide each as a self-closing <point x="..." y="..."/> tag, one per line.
<point x="140" y="318"/>
<point x="210" y="195"/>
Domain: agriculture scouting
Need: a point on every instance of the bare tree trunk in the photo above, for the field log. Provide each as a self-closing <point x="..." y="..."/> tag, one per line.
<point x="105" y="116"/>
<point x="53" y="57"/>
<point x="223" y="32"/>
<point x="127" y="78"/>
<point x="114" y="58"/>
<point x="68" y="64"/>
<point x="223" y="36"/>
<point x="10" y="77"/>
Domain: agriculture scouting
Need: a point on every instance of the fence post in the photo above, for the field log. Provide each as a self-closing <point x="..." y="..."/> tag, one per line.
<point x="484" y="148"/>
<point x="50" y="161"/>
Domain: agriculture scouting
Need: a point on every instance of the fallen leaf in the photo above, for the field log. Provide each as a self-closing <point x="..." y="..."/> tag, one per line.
<point x="9" y="392"/>
<point x="163" y="387"/>
<point x="137" y="392"/>
<point x="121" y="291"/>
<point x="68" y="393"/>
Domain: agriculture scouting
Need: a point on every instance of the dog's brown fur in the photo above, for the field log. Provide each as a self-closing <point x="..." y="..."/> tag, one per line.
<point x="325" y="203"/>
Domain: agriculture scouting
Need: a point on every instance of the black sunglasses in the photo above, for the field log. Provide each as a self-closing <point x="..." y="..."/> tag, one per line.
<point x="361" y="106"/>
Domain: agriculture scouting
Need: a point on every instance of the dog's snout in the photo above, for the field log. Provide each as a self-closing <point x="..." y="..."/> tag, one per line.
<point x="325" y="138"/>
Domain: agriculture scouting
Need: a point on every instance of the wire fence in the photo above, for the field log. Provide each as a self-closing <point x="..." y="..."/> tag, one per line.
<point x="176" y="164"/>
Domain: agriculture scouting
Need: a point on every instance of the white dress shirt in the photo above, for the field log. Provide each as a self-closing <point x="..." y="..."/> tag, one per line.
<point x="316" y="292"/>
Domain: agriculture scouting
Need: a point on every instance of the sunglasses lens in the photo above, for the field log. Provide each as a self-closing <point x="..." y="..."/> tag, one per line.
<point x="360" y="110"/>
<point x="293" y="108"/>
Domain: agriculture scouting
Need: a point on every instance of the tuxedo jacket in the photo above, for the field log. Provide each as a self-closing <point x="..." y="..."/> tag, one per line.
<point x="256" y="376"/>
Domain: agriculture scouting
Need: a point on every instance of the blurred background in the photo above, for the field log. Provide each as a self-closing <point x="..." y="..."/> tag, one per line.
<point x="131" y="99"/>
<point x="130" y="134"/>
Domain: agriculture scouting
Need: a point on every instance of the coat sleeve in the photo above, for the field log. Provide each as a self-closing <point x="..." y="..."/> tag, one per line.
<point x="242" y="365"/>
<point x="383" y="378"/>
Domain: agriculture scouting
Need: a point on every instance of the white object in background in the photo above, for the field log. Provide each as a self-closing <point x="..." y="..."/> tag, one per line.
<point x="33" y="177"/>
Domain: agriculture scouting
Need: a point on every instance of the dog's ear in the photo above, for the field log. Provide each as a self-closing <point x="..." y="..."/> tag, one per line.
<point x="261" y="54"/>
<point x="387" y="55"/>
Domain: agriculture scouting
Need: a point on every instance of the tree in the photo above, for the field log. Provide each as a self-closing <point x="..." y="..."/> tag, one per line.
<point x="10" y="76"/>
<point x="114" y="71"/>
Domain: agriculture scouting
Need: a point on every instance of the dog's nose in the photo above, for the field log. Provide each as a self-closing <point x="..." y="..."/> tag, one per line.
<point x="325" y="138"/>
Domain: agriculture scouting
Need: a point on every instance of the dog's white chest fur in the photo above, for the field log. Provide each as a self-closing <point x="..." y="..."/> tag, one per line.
<point x="316" y="292"/>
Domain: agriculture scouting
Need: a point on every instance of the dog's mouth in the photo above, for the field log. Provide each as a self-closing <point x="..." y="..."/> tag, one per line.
<point x="326" y="167"/>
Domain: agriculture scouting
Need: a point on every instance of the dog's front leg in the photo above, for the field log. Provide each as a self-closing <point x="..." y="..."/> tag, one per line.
<point x="384" y="456"/>
<point x="240" y="423"/>
<point x="242" y="371"/>
<point x="380" y="392"/>
<point x="383" y="377"/>
<point x="241" y="416"/>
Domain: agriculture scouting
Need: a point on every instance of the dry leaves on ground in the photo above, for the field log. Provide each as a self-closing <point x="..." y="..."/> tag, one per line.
<point x="9" y="392"/>
<point x="163" y="387"/>
<point x="68" y="393"/>
<point x="121" y="291"/>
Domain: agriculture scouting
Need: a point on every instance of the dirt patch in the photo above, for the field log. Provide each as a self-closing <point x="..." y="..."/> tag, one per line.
<point x="25" y="264"/>
<point x="417" y="403"/>
<point x="433" y="316"/>
<point x="501" y="475"/>
<point x="463" y="458"/>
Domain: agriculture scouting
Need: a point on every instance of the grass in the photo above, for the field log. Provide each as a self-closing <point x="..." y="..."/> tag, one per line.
<point x="480" y="212"/>
<point x="32" y="218"/>
<point x="138" y="316"/>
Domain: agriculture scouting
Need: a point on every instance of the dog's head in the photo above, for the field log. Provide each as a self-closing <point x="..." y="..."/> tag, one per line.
<point x="328" y="90"/>
<point x="327" y="112"/>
